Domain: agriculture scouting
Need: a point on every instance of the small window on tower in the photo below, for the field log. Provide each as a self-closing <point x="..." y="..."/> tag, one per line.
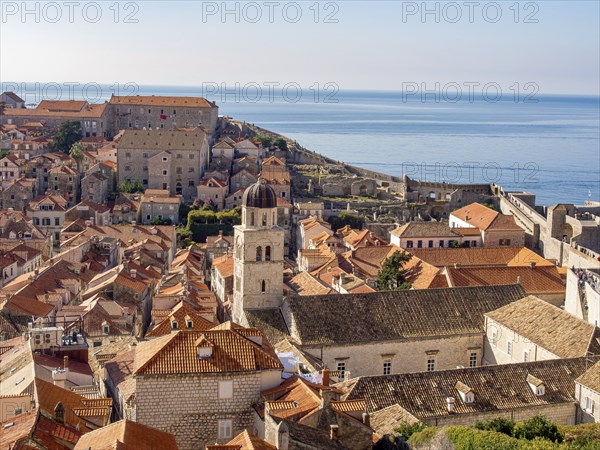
<point x="268" y="253"/>
<point x="263" y="286"/>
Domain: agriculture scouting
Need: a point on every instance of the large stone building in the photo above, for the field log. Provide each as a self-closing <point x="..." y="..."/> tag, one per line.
<point x="464" y="396"/>
<point x="526" y="330"/>
<point x="171" y="160"/>
<point x="206" y="383"/>
<point x="162" y="113"/>
<point x="94" y="118"/>
<point x="587" y="392"/>
<point x="259" y="253"/>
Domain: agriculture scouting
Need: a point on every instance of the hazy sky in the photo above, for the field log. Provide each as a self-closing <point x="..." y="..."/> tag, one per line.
<point x="355" y="44"/>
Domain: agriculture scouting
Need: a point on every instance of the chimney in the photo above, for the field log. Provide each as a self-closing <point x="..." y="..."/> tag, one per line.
<point x="366" y="419"/>
<point x="450" y="402"/>
<point x="325" y="377"/>
<point x="66" y="363"/>
<point x="333" y="432"/>
<point x="326" y="396"/>
<point x="518" y="280"/>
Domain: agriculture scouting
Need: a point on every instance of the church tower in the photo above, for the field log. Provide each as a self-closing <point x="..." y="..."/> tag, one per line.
<point x="259" y="249"/>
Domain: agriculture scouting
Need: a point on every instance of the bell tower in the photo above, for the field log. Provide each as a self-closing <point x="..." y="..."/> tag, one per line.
<point x="258" y="257"/>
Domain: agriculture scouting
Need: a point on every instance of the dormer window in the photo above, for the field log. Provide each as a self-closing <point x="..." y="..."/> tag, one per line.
<point x="466" y="393"/>
<point x="174" y="325"/>
<point x="536" y="385"/>
<point x="204" y="348"/>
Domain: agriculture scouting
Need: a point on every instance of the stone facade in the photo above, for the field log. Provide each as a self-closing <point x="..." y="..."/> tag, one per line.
<point x="589" y="404"/>
<point x="173" y="160"/>
<point x="190" y="407"/>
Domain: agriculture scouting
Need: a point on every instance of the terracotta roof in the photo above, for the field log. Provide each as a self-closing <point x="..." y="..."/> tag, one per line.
<point x="496" y="388"/>
<point x="245" y="441"/>
<point x="549" y="327"/>
<point x="231" y="352"/>
<point x="215" y="183"/>
<point x="538" y="280"/>
<point x="21" y="428"/>
<point x="389" y="419"/>
<point x="182" y="313"/>
<point x="224" y="265"/>
<point x="77" y="407"/>
<point x="53" y="435"/>
<point x="305" y="284"/>
<point x="151" y="100"/>
<point x="161" y="140"/>
<point x="591" y="378"/>
<point x="60" y="108"/>
<point x="480" y="256"/>
<point x="477" y="215"/>
<point x="127" y="435"/>
<point x="382" y="316"/>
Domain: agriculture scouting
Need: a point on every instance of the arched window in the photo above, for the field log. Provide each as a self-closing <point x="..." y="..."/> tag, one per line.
<point x="264" y="219"/>
<point x="268" y="253"/>
<point x="252" y="219"/>
<point x="263" y="286"/>
<point x="259" y="253"/>
<point x="59" y="412"/>
<point x="178" y="188"/>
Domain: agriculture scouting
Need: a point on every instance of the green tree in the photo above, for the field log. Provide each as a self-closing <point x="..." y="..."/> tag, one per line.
<point x="4" y="153"/>
<point x="538" y="426"/>
<point x="76" y="152"/>
<point x="390" y="276"/>
<point x="498" y="424"/>
<point x="67" y="134"/>
<point x="346" y="218"/>
<point x="266" y="141"/>
<point x="281" y="144"/>
<point x="130" y="187"/>
<point x="405" y="430"/>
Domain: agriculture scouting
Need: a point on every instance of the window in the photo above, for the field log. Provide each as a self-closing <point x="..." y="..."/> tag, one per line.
<point x="179" y="170"/>
<point x="128" y="155"/>
<point x="494" y="338"/>
<point x="509" y="349"/>
<point x="164" y="172"/>
<point x="57" y="221"/>
<point x="164" y="159"/>
<point x="144" y="155"/>
<point x="409" y="244"/>
<point x="191" y="156"/>
<point x="430" y="244"/>
<point x="387" y="366"/>
<point x="589" y="405"/>
<point x="226" y="389"/>
<point x="191" y="183"/>
<point x="442" y="243"/>
<point x="473" y="359"/>
<point x="504" y="242"/>
<point x="179" y="156"/>
<point x="419" y="244"/>
<point x="190" y="170"/>
<point x="431" y="364"/>
<point x="526" y="356"/>
<point x="259" y="253"/>
<point x="341" y="367"/>
<point x="268" y="253"/>
<point x="174" y="325"/>
<point x="225" y="429"/>
<point x="189" y="324"/>
<point x="263" y="286"/>
<point x="473" y="244"/>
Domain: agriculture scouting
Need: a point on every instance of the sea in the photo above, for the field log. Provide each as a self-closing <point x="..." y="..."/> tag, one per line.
<point x="545" y="144"/>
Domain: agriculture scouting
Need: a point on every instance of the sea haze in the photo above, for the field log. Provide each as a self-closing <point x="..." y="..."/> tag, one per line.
<point x="550" y="147"/>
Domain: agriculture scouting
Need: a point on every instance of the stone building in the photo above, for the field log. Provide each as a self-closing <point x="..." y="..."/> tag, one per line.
<point x="89" y="211"/>
<point x="39" y="167"/>
<point x="171" y="160"/>
<point x="583" y="294"/>
<point x="159" y="204"/>
<point x="206" y="383"/>
<point x="95" y="187"/>
<point x="94" y="118"/>
<point x="587" y="392"/>
<point x="496" y="229"/>
<point x="213" y="191"/>
<point x="18" y="193"/>
<point x="64" y="181"/>
<point x="127" y="434"/>
<point x="162" y="112"/>
<point x="464" y="396"/>
<point x="242" y="179"/>
<point x="259" y="253"/>
<point x="11" y="100"/>
<point x="526" y="331"/>
<point x="48" y="213"/>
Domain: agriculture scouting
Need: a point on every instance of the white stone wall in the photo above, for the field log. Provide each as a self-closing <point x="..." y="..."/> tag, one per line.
<point x="190" y="407"/>
<point x="406" y="356"/>
<point x="586" y="415"/>
<point x="498" y="353"/>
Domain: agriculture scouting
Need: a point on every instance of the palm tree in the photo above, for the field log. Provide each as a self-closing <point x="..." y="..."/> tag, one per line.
<point x="76" y="153"/>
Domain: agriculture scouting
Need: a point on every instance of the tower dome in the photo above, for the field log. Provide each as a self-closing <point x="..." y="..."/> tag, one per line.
<point x="260" y="195"/>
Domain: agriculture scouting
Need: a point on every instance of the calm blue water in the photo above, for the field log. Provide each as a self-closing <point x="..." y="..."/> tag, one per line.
<point x="551" y="147"/>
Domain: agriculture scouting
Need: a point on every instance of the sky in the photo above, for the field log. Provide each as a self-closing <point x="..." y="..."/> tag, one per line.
<point x="552" y="45"/>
